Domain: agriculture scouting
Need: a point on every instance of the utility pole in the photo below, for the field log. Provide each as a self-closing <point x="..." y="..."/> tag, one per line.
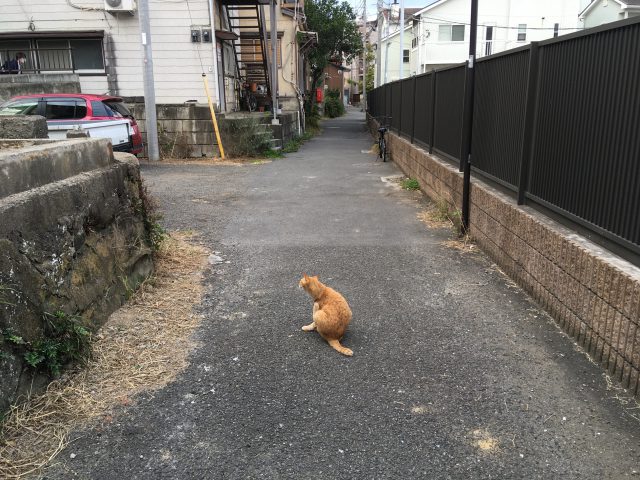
<point x="274" y="63"/>
<point x="401" y="39"/>
<point x="379" y="49"/>
<point x="147" y="75"/>
<point x="364" y="59"/>
<point x="468" y="117"/>
<point x="214" y="43"/>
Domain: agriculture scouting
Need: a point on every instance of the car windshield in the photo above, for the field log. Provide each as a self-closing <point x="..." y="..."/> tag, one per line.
<point x="20" y="107"/>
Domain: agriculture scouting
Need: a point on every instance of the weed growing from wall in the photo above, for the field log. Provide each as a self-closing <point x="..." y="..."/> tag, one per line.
<point x="65" y="341"/>
<point x="148" y="208"/>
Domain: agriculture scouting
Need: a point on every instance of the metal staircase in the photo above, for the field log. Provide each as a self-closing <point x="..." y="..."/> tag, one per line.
<point x="250" y="51"/>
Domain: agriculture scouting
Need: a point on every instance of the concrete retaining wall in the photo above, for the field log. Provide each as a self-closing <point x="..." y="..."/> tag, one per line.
<point x="23" y="126"/>
<point x="11" y="85"/>
<point x="72" y="239"/>
<point x="593" y="295"/>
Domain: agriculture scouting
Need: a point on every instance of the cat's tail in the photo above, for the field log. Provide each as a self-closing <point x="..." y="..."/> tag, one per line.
<point x="343" y="350"/>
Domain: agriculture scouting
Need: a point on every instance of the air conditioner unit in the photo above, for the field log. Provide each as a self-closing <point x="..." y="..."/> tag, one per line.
<point x="120" y="6"/>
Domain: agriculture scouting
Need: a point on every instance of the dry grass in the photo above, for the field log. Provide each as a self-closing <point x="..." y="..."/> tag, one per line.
<point x="214" y="161"/>
<point x="144" y="345"/>
<point x="486" y="443"/>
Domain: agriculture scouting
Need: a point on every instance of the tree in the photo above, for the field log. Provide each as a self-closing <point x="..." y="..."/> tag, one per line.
<point x="338" y="35"/>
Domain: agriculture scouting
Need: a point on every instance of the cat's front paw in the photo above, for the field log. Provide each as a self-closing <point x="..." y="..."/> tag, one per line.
<point x="309" y="328"/>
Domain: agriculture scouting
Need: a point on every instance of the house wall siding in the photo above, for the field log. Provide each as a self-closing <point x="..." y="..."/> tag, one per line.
<point x="603" y="12"/>
<point x="178" y="63"/>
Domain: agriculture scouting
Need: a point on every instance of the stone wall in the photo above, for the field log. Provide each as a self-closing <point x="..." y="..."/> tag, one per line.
<point x="24" y="84"/>
<point x="23" y="126"/>
<point x="73" y="238"/>
<point x="593" y="295"/>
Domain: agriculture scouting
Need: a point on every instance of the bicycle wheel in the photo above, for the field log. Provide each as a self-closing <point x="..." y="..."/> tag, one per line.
<point x="383" y="149"/>
<point x="252" y="102"/>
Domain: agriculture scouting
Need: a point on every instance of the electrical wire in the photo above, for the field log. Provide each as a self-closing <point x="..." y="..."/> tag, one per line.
<point x="198" y="43"/>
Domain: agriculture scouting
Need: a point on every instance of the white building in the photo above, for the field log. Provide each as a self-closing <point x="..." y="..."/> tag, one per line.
<point x="438" y="34"/>
<point x="105" y="46"/>
<point x="605" y="11"/>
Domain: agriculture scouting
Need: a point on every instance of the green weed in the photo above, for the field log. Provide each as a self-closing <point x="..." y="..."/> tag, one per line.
<point x="410" y="184"/>
<point x="65" y="340"/>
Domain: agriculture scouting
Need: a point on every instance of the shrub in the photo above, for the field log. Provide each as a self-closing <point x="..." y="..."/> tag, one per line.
<point x="245" y="137"/>
<point x="333" y="107"/>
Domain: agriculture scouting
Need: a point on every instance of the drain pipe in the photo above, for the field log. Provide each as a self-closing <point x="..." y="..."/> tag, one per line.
<point x="468" y="121"/>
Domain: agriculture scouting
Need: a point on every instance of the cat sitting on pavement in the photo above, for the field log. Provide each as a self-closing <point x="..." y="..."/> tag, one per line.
<point x="331" y="313"/>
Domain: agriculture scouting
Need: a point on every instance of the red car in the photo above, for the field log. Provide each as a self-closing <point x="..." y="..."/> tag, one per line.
<point x="75" y="108"/>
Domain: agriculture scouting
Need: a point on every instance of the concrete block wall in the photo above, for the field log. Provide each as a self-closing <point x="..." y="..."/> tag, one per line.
<point x="186" y="131"/>
<point x="593" y="295"/>
<point x="24" y="84"/>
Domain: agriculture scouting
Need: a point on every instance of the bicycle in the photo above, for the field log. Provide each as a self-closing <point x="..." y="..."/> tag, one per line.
<point x="382" y="141"/>
<point x="247" y="99"/>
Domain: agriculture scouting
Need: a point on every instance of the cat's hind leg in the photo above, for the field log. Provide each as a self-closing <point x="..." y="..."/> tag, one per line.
<point x="337" y="346"/>
<point x="309" y="328"/>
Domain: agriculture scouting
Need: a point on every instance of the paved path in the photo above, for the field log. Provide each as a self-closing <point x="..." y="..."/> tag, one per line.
<point x="455" y="373"/>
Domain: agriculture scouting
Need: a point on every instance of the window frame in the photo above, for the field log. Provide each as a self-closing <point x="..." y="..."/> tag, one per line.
<point x="522" y="32"/>
<point x="450" y="35"/>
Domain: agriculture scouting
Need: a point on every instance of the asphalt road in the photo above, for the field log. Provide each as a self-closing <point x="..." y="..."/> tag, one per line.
<point x="455" y="373"/>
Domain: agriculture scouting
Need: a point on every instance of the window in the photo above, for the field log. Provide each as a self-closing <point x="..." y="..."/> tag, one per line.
<point x="405" y="56"/>
<point x="87" y="54"/>
<point x="57" y="54"/>
<point x="64" y="109"/>
<point x="522" y="32"/>
<point x="20" y="107"/>
<point x="556" y="28"/>
<point x="414" y="43"/>
<point x="451" y="33"/>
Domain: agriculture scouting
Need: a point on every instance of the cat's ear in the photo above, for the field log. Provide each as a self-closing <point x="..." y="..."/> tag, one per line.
<point x="316" y="277"/>
<point x="306" y="277"/>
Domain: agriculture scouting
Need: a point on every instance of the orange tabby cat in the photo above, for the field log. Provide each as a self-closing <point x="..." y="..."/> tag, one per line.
<point x="331" y="313"/>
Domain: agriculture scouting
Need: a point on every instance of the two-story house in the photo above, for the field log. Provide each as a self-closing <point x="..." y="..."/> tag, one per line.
<point x="439" y="33"/>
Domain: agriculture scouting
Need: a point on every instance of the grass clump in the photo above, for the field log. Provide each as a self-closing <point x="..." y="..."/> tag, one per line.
<point x="410" y="184"/>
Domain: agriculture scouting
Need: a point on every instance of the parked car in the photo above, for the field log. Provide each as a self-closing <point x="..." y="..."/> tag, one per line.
<point x="73" y="109"/>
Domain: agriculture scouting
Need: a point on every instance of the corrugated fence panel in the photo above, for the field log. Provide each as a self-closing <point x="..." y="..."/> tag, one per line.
<point x="423" y="109"/>
<point x="406" y="113"/>
<point x="498" y="115"/>
<point x="396" y="106"/>
<point x="449" y="111"/>
<point x="587" y="144"/>
<point x="388" y="100"/>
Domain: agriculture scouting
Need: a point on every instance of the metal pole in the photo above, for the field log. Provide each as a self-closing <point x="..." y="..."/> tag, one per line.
<point x="364" y="59"/>
<point x="469" y="94"/>
<point x="386" y="60"/>
<point x="379" y="49"/>
<point x="401" y="39"/>
<point x="149" y="88"/>
<point x="214" y="44"/>
<point x="274" y="63"/>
